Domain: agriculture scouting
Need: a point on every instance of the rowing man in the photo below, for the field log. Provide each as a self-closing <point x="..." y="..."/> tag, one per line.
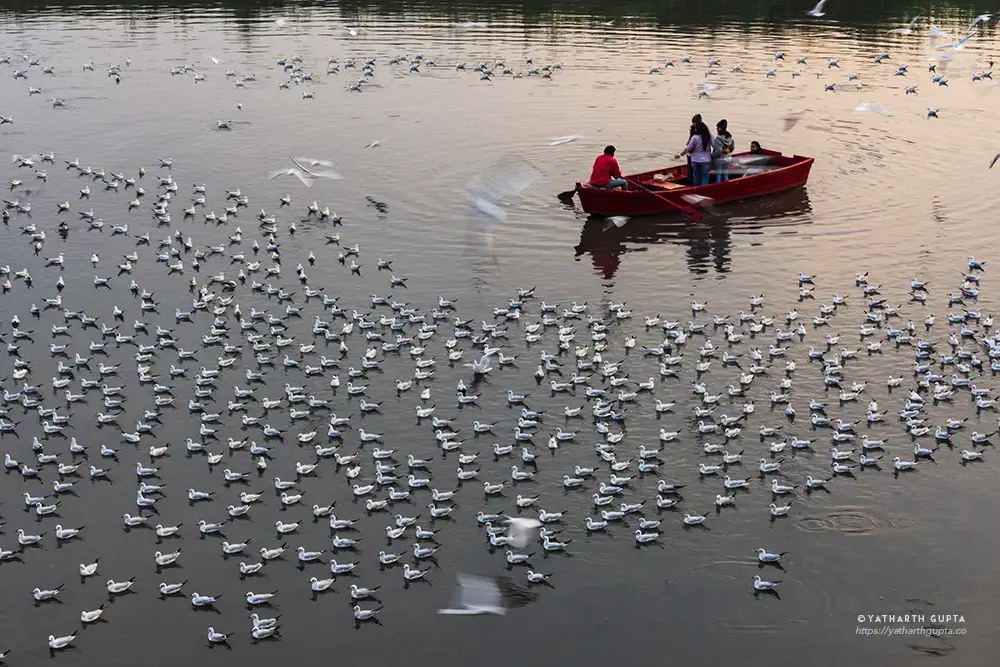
<point x="607" y="174"/>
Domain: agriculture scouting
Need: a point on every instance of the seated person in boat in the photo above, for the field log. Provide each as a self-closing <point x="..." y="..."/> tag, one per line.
<point x="754" y="163"/>
<point x="606" y="173"/>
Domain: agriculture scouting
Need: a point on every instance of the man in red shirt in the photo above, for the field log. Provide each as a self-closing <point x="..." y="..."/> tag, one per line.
<point x="606" y="173"/>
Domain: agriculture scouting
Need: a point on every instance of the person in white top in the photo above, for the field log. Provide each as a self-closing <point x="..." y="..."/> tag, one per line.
<point x="699" y="147"/>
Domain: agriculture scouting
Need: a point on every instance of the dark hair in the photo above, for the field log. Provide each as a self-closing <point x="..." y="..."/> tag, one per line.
<point x="694" y="123"/>
<point x="758" y="149"/>
<point x="706" y="137"/>
<point x="722" y="125"/>
<point x="609" y="150"/>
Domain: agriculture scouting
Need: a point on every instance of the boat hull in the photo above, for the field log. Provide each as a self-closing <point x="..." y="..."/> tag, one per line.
<point x="649" y="193"/>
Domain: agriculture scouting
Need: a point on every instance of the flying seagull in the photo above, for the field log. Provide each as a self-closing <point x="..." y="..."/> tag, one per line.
<point x="559" y="141"/>
<point x="482" y="595"/>
<point x="506" y="180"/>
<point x="868" y="106"/>
<point x="304" y="174"/>
<point x="618" y="221"/>
<point x="792" y="119"/>
<point x="906" y="30"/>
<point x="817" y="11"/>
<point x="522" y="531"/>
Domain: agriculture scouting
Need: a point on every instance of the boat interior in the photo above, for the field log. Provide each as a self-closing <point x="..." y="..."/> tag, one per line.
<point x="743" y="165"/>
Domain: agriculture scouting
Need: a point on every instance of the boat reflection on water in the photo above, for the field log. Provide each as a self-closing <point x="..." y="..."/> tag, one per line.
<point x="708" y="243"/>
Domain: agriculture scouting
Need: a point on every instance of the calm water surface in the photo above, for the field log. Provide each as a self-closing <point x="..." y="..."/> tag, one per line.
<point x="899" y="196"/>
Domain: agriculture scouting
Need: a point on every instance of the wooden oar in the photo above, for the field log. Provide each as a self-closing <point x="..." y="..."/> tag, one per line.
<point x="568" y="194"/>
<point x="692" y="214"/>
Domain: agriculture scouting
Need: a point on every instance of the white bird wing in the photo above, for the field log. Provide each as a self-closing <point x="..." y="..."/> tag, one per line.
<point x="819" y="6"/>
<point x="297" y="164"/>
<point x="315" y="162"/>
<point x="313" y="175"/>
<point x="558" y="141"/>
<point x="302" y="174"/>
<point x="792" y="119"/>
<point x="476" y="595"/>
<point x="698" y="200"/>
<point x="869" y="106"/>
<point x="522" y="531"/>
<point x="329" y="173"/>
<point x="504" y="180"/>
<point x="515" y="176"/>
<point x="489" y="208"/>
<point x="618" y="221"/>
<point x="305" y="178"/>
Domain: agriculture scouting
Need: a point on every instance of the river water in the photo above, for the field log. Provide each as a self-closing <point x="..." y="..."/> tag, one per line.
<point x="899" y="196"/>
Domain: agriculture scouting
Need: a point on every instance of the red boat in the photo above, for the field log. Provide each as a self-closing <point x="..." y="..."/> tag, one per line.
<point x="662" y="191"/>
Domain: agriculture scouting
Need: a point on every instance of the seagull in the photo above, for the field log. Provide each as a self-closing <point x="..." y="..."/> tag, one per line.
<point x="522" y="531"/>
<point x="304" y="174"/>
<point x="764" y="557"/>
<point x="58" y="643"/>
<point x="119" y="587"/>
<point x="91" y="616"/>
<point x="868" y="106"/>
<point x="817" y="11"/>
<point x="476" y="596"/>
<point x="217" y="637"/>
<point x="365" y="614"/>
<point x="761" y="585"/>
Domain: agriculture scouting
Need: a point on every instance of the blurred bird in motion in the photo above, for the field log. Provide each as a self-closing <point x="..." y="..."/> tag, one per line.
<point x="817" y="11"/>
<point x="522" y="531"/>
<point x="792" y="118"/>
<point x="505" y="180"/>
<point x="558" y="141"/>
<point x="616" y="221"/>
<point x="907" y="29"/>
<point x="305" y="174"/>
<point x="868" y="106"/>
<point x="482" y="595"/>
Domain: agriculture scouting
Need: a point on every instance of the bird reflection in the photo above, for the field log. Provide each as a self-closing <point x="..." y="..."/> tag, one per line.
<point x="708" y="244"/>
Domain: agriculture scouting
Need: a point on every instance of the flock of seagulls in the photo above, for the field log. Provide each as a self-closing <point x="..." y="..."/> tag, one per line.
<point x="306" y="369"/>
<point x="273" y="378"/>
<point x="939" y="55"/>
<point x="29" y="68"/>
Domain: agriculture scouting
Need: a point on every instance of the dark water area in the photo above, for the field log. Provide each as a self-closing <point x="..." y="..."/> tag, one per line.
<point x="898" y="196"/>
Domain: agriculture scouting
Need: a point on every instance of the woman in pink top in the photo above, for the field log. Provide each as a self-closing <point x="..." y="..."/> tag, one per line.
<point x="700" y="149"/>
